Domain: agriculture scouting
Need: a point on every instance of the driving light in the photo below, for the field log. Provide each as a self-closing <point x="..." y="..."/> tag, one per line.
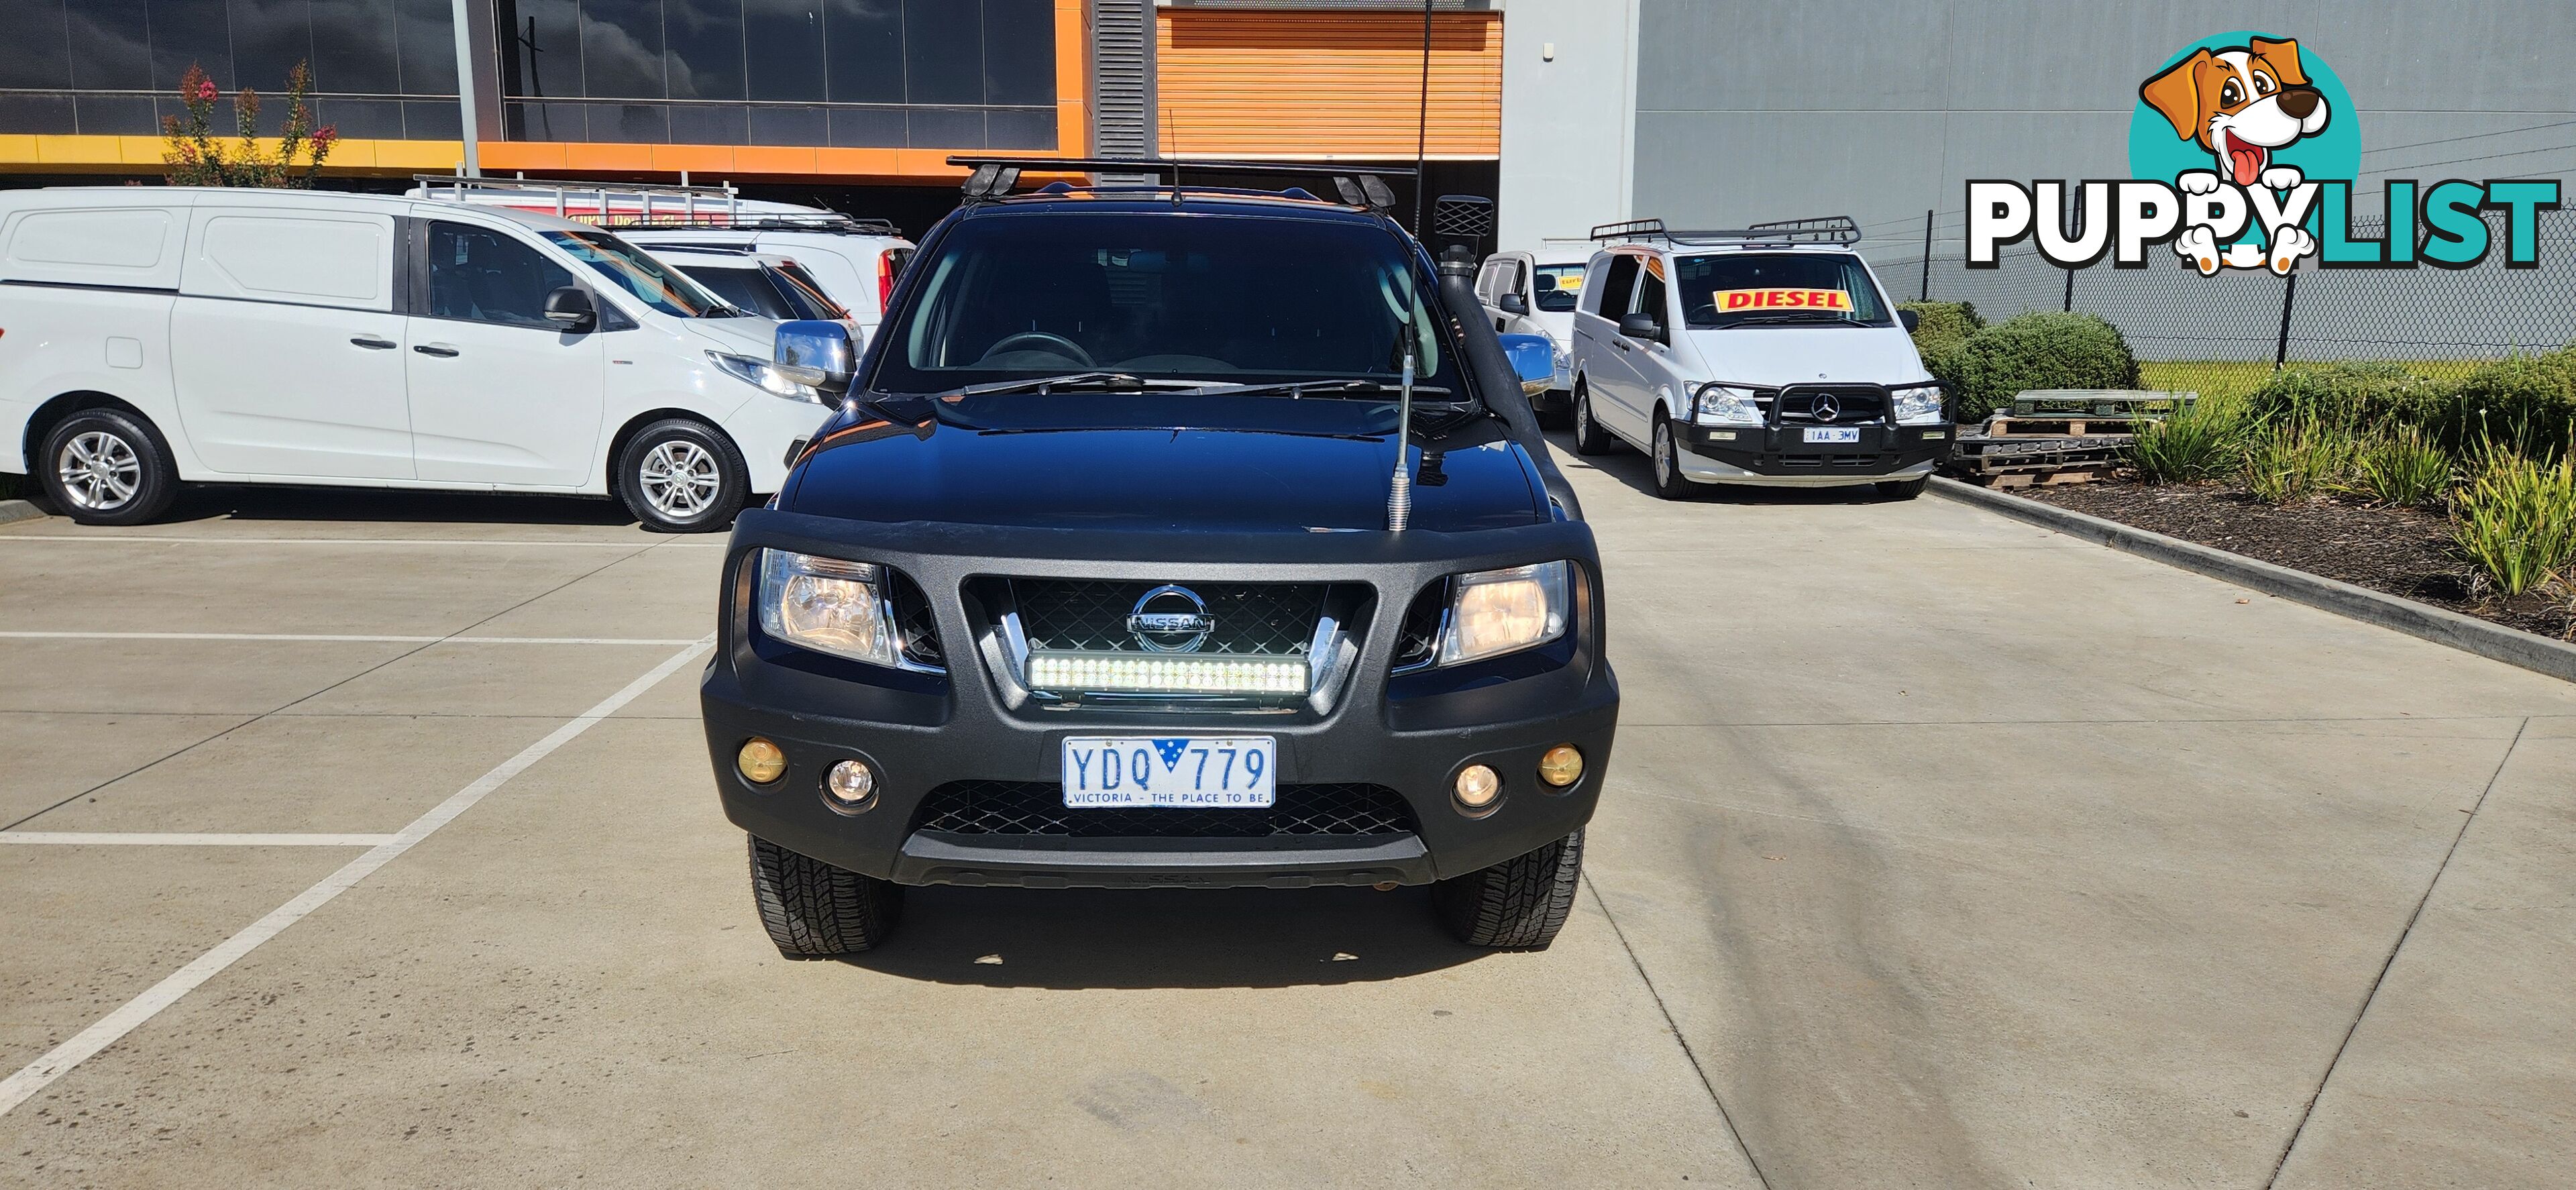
<point x="760" y="761"/>
<point x="1562" y="766"/>
<point x="851" y="784"/>
<point x="1166" y="673"/>
<point x="770" y="378"/>
<point x="824" y="604"/>
<point x="1727" y="405"/>
<point x="1918" y="405"/>
<point x="1478" y="786"/>
<point x="1498" y="611"/>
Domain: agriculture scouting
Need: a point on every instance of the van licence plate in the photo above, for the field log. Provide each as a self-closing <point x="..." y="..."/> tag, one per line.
<point x="1834" y="434"/>
<point x="1192" y="772"/>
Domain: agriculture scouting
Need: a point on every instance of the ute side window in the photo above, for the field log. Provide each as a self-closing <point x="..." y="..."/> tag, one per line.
<point x="477" y="274"/>
<point x="1618" y="281"/>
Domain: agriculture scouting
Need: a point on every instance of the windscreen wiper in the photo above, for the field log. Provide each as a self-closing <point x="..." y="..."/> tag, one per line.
<point x="1089" y="381"/>
<point x="1796" y="320"/>
<point x="1299" y="388"/>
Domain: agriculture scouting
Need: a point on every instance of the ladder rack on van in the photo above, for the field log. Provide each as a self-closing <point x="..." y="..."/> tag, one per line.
<point x="1838" y="230"/>
<point x="651" y="205"/>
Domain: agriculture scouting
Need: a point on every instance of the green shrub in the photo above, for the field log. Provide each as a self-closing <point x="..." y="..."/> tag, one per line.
<point x="2528" y="403"/>
<point x="1943" y="327"/>
<point x="2402" y="466"/>
<point x="2202" y="440"/>
<point x="2360" y="395"/>
<point x="2292" y="460"/>
<point x="2516" y="518"/>
<point x="2043" y="350"/>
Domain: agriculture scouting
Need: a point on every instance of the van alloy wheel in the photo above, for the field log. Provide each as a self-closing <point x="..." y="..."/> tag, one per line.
<point x="1663" y="454"/>
<point x="99" y="471"/>
<point x="680" y="479"/>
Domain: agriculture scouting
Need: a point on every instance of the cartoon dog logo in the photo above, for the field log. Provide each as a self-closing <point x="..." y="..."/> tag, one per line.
<point x="2242" y="104"/>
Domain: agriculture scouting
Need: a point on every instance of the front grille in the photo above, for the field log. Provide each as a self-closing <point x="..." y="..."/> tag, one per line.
<point x="1081" y="615"/>
<point x="1037" y="808"/>
<point x="1859" y="406"/>
<point x="915" y="628"/>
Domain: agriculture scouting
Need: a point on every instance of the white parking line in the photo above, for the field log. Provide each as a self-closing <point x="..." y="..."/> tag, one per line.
<point x="41" y="1073"/>
<point x="148" y="839"/>
<point x="94" y="539"/>
<point x="664" y="642"/>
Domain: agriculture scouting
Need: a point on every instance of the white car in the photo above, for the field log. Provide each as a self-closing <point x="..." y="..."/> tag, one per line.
<point x="1767" y="355"/>
<point x="154" y="336"/>
<point x="1533" y="293"/>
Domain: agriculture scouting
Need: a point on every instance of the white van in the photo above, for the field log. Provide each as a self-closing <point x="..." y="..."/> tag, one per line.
<point x="1766" y="355"/>
<point x="153" y="336"/>
<point x="1533" y="293"/>
<point x="855" y="261"/>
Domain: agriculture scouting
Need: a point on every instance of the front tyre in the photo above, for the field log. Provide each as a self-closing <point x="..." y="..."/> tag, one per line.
<point x="1902" y="489"/>
<point x="1589" y="437"/>
<point x="814" y="910"/>
<point x="680" y="476"/>
<point x="1518" y="904"/>
<point x="107" y="467"/>
<point x="1670" y="483"/>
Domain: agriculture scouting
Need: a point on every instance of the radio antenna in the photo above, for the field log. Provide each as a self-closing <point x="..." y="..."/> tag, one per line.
<point x="1399" y="492"/>
<point x="1422" y="123"/>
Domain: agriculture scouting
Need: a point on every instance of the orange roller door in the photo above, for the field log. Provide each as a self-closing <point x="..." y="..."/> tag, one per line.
<point x="1251" y="83"/>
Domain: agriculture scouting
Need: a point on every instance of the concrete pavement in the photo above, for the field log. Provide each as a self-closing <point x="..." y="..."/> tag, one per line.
<point x="1939" y="850"/>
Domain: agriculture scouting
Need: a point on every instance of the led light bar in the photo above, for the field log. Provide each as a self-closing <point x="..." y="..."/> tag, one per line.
<point x="1167" y="673"/>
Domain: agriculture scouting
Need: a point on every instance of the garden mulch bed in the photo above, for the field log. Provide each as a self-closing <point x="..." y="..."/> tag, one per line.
<point x="2400" y="551"/>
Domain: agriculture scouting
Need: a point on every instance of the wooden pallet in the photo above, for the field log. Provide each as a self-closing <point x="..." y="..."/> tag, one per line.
<point x="2062" y="425"/>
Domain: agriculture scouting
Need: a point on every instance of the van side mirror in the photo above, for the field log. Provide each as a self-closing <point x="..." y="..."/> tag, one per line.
<point x="1911" y="319"/>
<point x="1513" y="304"/>
<point x="569" y="307"/>
<point x="1642" y="326"/>
<point x="813" y="351"/>
<point x="1533" y="360"/>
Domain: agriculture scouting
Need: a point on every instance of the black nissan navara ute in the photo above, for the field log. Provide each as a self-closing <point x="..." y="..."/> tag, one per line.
<point x="1164" y="537"/>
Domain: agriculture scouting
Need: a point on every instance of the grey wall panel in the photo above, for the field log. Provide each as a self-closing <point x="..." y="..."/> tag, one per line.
<point x="1721" y="55"/>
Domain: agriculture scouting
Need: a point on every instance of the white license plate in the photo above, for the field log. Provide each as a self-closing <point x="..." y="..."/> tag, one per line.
<point x="1198" y="772"/>
<point x="1834" y="435"/>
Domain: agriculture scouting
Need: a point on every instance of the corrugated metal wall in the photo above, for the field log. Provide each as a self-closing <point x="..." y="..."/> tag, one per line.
<point x="1236" y="83"/>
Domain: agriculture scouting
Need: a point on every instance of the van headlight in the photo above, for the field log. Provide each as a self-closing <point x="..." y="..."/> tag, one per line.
<point x="825" y="604"/>
<point x="1916" y="405"/>
<point x="1492" y="612"/>
<point x="766" y="374"/>
<point x="1726" y="405"/>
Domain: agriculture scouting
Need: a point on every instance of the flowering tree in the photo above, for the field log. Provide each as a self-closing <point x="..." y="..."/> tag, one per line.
<point x="196" y="158"/>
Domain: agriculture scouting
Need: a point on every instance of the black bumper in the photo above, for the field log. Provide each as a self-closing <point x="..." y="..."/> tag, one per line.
<point x="1783" y="450"/>
<point x="1410" y="733"/>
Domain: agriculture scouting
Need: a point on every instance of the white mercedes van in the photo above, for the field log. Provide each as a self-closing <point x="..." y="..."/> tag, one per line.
<point x="155" y="336"/>
<point x="1766" y="355"/>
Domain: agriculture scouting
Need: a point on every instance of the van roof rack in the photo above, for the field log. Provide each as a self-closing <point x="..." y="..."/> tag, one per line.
<point x="715" y="208"/>
<point x="1838" y="230"/>
<point x="993" y="177"/>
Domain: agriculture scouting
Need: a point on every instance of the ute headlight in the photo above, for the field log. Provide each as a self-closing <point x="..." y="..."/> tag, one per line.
<point x="825" y="604"/>
<point x="1916" y="405"/>
<point x="1726" y="405"/>
<point x="766" y="374"/>
<point x="1498" y="611"/>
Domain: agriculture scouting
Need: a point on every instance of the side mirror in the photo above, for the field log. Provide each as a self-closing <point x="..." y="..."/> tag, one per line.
<point x="812" y="351"/>
<point x="1513" y="304"/>
<point x="1533" y="359"/>
<point x="569" y="308"/>
<point x="1641" y="326"/>
<point x="1911" y="319"/>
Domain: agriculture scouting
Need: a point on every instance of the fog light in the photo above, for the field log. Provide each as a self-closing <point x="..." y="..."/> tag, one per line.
<point x="851" y="783"/>
<point x="760" y="761"/>
<point x="1562" y="766"/>
<point x="1478" y="786"/>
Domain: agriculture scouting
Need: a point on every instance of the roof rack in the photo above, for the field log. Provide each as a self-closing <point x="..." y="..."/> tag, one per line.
<point x="655" y="205"/>
<point x="993" y="177"/>
<point x="1838" y="230"/>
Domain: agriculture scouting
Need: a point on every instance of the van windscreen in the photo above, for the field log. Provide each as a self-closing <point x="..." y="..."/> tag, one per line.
<point x="1775" y="288"/>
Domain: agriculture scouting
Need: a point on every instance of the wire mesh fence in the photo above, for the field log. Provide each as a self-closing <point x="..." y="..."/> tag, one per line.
<point x="2439" y="320"/>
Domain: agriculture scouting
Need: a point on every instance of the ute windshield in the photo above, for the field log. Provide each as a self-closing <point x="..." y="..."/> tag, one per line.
<point x="1778" y="288"/>
<point x="1222" y="300"/>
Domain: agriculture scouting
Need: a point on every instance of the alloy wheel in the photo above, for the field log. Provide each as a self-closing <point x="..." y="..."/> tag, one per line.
<point x="680" y="479"/>
<point x="99" y="471"/>
<point x="1664" y="453"/>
